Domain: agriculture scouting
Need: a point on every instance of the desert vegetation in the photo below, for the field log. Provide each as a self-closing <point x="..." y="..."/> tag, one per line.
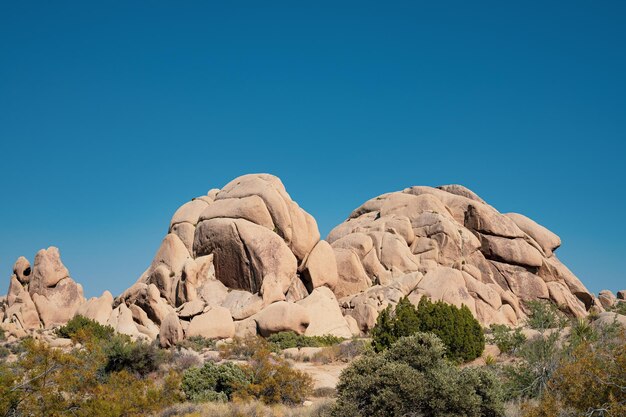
<point x="554" y="366"/>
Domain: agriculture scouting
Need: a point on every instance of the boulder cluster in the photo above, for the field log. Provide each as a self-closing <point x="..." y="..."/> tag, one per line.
<point x="246" y="260"/>
<point x="41" y="296"/>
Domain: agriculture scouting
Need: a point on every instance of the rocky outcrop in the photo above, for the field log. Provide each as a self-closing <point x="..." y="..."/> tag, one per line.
<point x="458" y="249"/>
<point x="246" y="260"/>
<point x="43" y="296"/>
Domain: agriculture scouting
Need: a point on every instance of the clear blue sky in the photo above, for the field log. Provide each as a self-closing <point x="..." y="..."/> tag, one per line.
<point x="113" y="115"/>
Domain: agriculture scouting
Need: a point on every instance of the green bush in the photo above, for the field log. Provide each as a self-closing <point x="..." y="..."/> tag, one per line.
<point x="391" y="325"/>
<point x="413" y="378"/>
<point x="529" y="377"/>
<point x="272" y="380"/>
<point x="135" y="357"/>
<point x="4" y="352"/>
<point x="286" y="340"/>
<point x="197" y="343"/>
<point x="2" y="335"/>
<point x="544" y="315"/>
<point x="212" y="382"/>
<point x="245" y="348"/>
<point x="81" y="328"/>
<point x="508" y="340"/>
<point x="456" y="327"/>
<point x="619" y="308"/>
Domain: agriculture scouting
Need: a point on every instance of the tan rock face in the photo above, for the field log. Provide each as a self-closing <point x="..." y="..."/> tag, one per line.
<point x="325" y="314"/>
<point x="247" y="259"/>
<point x="282" y="317"/>
<point x="97" y="308"/>
<point x="468" y="252"/>
<point x="44" y="297"/>
<point x="217" y="323"/>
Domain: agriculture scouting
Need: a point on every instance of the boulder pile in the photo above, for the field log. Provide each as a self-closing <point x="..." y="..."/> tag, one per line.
<point x="246" y="260"/>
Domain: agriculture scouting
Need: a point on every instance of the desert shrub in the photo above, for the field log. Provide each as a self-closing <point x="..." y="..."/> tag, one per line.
<point x="271" y="380"/>
<point x="456" y="327"/>
<point x="50" y="382"/>
<point x="591" y="381"/>
<point x="2" y="334"/>
<point x="619" y="308"/>
<point x="139" y="357"/>
<point x="81" y="328"/>
<point x="212" y="382"/>
<point x="4" y="352"/>
<point x="543" y="315"/>
<point x="412" y="377"/>
<point x="286" y="340"/>
<point x="181" y="361"/>
<point x="391" y="325"/>
<point x="324" y="392"/>
<point x="581" y="332"/>
<point x="247" y="409"/>
<point x="508" y="340"/>
<point x="197" y="343"/>
<point x="245" y="348"/>
<point x="182" y="410"/>
<point x="344" y="352"/>
<point x="528" y="378"/>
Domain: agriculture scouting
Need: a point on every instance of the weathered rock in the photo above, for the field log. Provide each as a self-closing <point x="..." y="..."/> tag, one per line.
<point x="172" y="254"/>
<point x="513" y="251"/>
<point x="21" y="309"/>
<point x="325" y="314"/>
<point x="353" y="326"/>
<point x="282" y="316"/>
<point x="251" y="208"/>
<point x="171" y="331"/>
<point x="185" y="232"/>
<point x="547" y="240"/>
<point x="297" y="290"/>
<point x="607" y="319"/>
<point x="47" y="271"/>
<point x="245" y="328"/>
<point x="621" y="295"/>
<point x="57" y="305"/>
<point x="294" y="225"/>
<point x="247" y="256"/>
<point x="122" y="321"/>
<point x="22" y="270"/>
<point x="320" y="267"/>
<point x="97" y="308"/>
<point x="189" y="212"/>
<point x="607" y="298"/>
<point x="216" y="323"/>
<point x="191" y="308"/>
<point x="242" y="304"/>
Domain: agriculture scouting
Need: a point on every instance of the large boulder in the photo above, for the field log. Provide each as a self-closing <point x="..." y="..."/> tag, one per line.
<point x="247" y="256"/>
<point x="216" y="323"/>
<point x="97" y="308"/>
<point x="294" y="225"/>
<point x="171" y="331"/>
<point x="56" y="296"/>
<point x="20" y="308"/>
<point x="607" y="299"/>
<point x="282" y="317"/>
<point x="325" y="314"/>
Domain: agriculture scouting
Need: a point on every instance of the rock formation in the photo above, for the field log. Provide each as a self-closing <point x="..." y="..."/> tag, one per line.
<point x="43" y="296"/>
<point x="448" y="244"/>
<point x="246" y="260"/>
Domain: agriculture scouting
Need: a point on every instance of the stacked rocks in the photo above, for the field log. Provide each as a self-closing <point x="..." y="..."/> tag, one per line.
<point x="448" y="244"/>
<point x="247" y="260"/>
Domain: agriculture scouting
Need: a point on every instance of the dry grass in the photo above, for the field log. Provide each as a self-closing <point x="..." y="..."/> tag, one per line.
<point x="251" y="409"/>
